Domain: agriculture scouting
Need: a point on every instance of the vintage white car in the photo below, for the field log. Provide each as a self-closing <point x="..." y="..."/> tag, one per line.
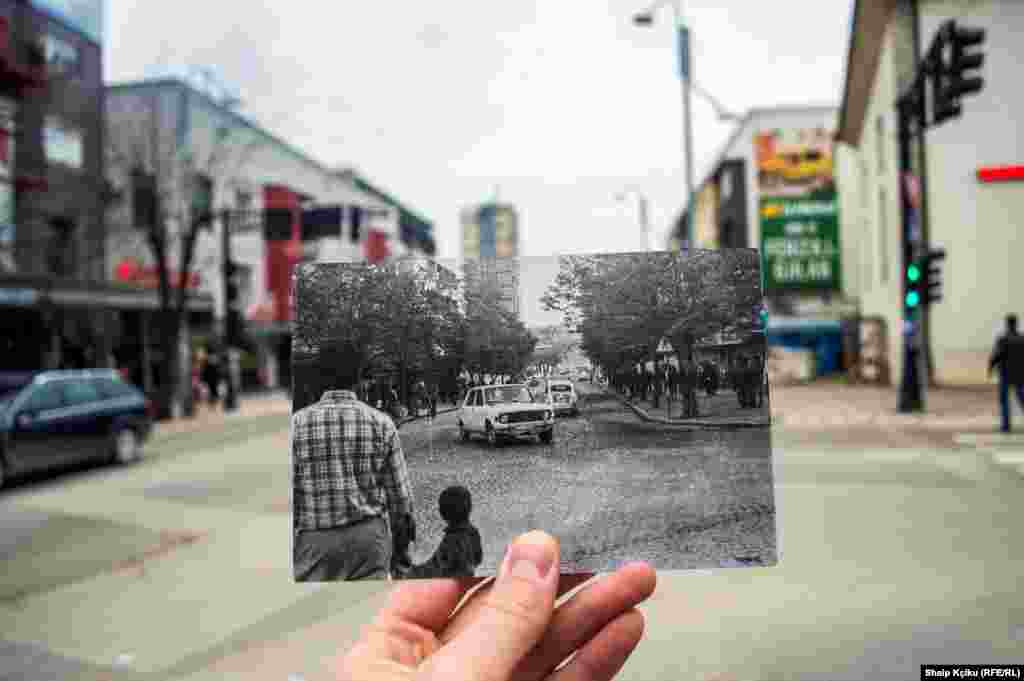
<point x="561" y="395"/>
<point x="501" y="412"/>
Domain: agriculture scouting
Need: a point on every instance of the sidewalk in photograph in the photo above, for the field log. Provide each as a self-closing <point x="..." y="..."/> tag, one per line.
<point x="720" y="411"/>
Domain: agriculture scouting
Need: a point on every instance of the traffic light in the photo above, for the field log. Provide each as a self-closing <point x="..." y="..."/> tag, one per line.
<point x="955" y="78"/>
<point x="202" y="201"/>
<point x="913" y="285"/>
<point x="963" y="77"/>
<point x="931" y="267"/>
<point x="356" y="219"/>
<point x="924" y="279"/>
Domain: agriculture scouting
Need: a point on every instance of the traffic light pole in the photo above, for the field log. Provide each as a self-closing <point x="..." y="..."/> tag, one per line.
<point x="951" y="80"/>
<point x="227" y="341"/>
<point x="912" y="388"/>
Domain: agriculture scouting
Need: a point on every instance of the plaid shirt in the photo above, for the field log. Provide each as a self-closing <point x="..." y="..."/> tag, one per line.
<point x="347" y="464"/>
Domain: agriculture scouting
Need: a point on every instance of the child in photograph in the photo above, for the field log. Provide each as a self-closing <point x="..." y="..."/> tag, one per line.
<point x="461" y="550"/>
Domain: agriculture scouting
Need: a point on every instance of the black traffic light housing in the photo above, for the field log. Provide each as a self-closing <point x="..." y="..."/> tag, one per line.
<point x="356" y="221"/>
<point x="956" y="77"/>
<point x="965" y="62"/>
<point x="202" y="201"/>
<point x="931" y="267"/>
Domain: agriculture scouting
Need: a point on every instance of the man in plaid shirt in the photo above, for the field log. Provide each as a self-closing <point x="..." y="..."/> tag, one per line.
<point x="351" y="494"/>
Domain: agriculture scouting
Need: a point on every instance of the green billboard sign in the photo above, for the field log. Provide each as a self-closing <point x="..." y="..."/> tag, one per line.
<point x="800" y="243"/>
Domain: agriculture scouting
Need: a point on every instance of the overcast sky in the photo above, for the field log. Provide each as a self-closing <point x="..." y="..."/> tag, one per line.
<point x="561" y="105"/>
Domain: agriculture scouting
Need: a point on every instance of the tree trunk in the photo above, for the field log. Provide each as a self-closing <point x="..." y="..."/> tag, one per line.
<point x="170" y="405"/>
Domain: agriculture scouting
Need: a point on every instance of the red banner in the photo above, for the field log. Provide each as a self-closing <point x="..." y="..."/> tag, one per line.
<point x="282" y="255"/>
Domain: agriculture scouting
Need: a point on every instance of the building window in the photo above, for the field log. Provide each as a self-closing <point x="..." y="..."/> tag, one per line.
<point x="880" y="142"/>
<point x="883" y="235"/>
<point x="63" y="142"/>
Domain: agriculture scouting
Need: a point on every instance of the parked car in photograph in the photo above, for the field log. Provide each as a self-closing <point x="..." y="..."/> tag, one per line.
<point x="505" y="412"/>
<point x="59" y="418"/>
<point x="561" y="395"/>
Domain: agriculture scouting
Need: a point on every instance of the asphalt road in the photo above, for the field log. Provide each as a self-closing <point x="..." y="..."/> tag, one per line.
<point x="178" y="568"/>
<point x="611" y="487"/>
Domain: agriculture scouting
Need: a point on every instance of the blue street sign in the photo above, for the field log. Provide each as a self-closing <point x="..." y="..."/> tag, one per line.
<point x="684" y="52"/>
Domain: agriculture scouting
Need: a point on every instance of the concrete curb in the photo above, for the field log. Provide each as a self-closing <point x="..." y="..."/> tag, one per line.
<point x="692" y="424"/>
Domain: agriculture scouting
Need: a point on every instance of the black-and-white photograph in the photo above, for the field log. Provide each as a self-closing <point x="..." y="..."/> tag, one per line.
<point x="617" y="401"/>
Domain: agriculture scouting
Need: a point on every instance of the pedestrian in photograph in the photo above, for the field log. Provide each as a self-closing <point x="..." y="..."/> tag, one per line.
<point x="1008" y="356"/>
<point x="351" y="491"/>
<point x="211" y="377"/>
<point x="461" y="550"/>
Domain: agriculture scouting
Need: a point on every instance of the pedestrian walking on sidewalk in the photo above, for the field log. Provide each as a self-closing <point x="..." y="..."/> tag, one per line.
<point x="352" y="500"/>
<point x="212" y="377"/>
<point x="1008" y="355"/>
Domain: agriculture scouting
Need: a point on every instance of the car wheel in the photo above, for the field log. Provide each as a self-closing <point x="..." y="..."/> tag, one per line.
<point x="463" y="433"/>
<point x="492" y="436"/>
<point x="126" y="446"/>
<point x="547" y="436"/>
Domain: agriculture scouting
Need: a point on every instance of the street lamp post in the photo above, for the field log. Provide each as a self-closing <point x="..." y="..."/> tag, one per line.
<point x="646" y="18"/>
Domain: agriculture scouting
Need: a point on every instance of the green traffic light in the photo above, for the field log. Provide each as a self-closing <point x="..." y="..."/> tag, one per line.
<point x="913" y="298"/>
<point x="913" y="273"/>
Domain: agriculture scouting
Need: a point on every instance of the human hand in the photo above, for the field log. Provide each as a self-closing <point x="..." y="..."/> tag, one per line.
<point x="508" y="630"/>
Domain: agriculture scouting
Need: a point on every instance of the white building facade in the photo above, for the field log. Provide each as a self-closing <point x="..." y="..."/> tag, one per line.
<point x="980" y="224"/>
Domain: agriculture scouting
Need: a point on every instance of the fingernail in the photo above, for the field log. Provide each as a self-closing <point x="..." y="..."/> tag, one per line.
<point x="531" y="557"/>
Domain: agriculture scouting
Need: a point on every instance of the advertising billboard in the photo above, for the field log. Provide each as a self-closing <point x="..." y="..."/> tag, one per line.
<point x="798" y="209"/>
<point x="506" y="232"/>
<point x="470" y="233"/>
<point x="705" y="227"/>
<point x="84" y="16"/>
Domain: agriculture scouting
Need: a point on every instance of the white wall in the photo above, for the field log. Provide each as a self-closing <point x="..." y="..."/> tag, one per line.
<point x="870" y="218"/>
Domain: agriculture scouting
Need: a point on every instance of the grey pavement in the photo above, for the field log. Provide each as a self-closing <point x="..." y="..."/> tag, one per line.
<point x="897" y="548"/>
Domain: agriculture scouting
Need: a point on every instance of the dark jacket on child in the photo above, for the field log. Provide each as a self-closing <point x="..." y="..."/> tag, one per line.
<point x="459" y="554"/>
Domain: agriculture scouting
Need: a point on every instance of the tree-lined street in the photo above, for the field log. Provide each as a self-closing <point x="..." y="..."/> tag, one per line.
<point x="611" y="486"/>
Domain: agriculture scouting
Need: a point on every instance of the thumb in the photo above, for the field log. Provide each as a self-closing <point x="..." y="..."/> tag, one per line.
<point x="512" y="617"/>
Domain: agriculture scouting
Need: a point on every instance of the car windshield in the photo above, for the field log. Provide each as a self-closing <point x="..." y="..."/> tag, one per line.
<point x="513" y="394"/>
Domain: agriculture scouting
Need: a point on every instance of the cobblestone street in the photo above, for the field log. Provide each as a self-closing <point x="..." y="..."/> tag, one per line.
<point x="617" y="487"/>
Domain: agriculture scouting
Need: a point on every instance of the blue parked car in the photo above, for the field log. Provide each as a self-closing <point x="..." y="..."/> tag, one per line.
<point x="53" y="419"/>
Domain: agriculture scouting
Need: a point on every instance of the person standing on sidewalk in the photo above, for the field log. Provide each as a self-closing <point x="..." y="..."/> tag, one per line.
<point x="1008" y="355"/>
<point x="352" y="500"/>
<point x="211" y="376"/>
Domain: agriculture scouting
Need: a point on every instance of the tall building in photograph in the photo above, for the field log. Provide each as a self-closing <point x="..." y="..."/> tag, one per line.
<point x="490" y="249"/>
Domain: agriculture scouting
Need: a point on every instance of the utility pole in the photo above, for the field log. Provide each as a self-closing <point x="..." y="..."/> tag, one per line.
<point x="232" y="315"/>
